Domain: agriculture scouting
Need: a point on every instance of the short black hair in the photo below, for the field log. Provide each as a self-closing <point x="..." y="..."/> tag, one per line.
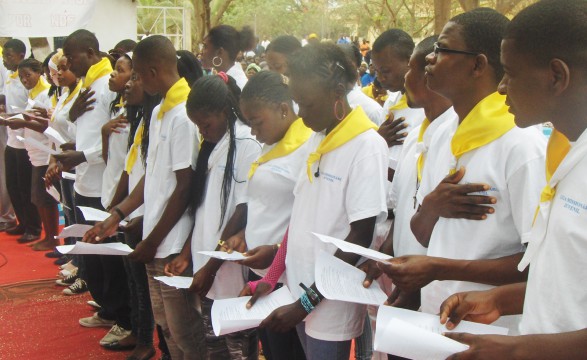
<point x="424" y="48"/>
<point x="552" y="29"/>
<point x="284" y="44"/>
<point x="15" y="45"/>
<point x="232" y="40"/>
<point x="401" y="42"/>
<point x="483" y="30"/>
<point x="353" y="53"/>
<point x="83" y="38"/>
<point x="33" y="64"/>
<point x="267" y="87"/>
<point x="325" y="61"/>
<point x="125" y="46"/>
<point x="188" y="66"/>
<point x="156" y="49"/>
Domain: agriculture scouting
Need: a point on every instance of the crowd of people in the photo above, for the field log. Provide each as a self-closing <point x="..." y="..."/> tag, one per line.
<point x="432" y="153"/>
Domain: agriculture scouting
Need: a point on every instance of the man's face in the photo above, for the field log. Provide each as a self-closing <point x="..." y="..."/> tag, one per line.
<point x="11" y="59"/>
<point x="390" y="68"/>
<point x="77" y="58"/>
<point x="526" y="86"/>
<point x="415" y="82"/>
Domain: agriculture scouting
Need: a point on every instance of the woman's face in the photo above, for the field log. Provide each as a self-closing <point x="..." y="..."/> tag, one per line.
<point x="212" y="125"/>
<point x="134" y="92"/>
<point x="251" y="73"/>
<point x="64" y="76"/>
<point x="277" y="62"/>
<point x="28" y="77"/>
<point x="268" y="121"/>
<point x="121" y="75"/>
<point x="316" y="104"/>
<point x="208" y="53"/>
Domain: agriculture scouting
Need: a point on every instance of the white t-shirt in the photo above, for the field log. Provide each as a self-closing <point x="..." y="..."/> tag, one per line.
<point x="237" y="72"/>
<point x="271" y="197"/>
<point x="136" y="174"/>
<point x="16" y="96"/>
<point x="374" y="111"/>
<point x="88" y="138"/>
<point x="230" y="278"/>
<point x="117" y="150"/>
<point x="405" y="185"/>
<point x="555" y="297"/>
<point x="61" y="122"/>
<point x="413" y="118"/>
<point x="3" y="75"/>
<point x="513" y="166"/>
<point x="36" y="156"/>
<point x="172" y="147"/>
<point x="351" y="187"/>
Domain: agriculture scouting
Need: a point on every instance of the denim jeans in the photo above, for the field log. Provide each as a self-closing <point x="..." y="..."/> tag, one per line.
<point x="364" y="343"/>
<point x="321" y="349"/>
<point x="176" y="311"/>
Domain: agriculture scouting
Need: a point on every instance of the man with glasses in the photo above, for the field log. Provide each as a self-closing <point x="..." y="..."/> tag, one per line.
<point x="483" y="175"/>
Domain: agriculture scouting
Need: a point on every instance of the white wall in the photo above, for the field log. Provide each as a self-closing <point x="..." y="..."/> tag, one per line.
<point x="114" y="20"/>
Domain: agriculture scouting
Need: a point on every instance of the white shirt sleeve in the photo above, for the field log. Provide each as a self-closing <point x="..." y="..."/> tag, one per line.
<point x="183" y="138"/>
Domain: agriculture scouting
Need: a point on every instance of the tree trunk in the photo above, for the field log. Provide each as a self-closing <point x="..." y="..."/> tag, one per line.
<point x="207" y="14"/>
<point x="469" y="4"/>
<point x="441" y="14"/>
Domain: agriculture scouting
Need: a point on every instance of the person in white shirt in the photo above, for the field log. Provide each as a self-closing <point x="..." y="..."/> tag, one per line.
<point x="389" y="57"/>
<point x="164" y="190"/>
<point x="17" y="164"/>
<point x="7" y="216"/>
<point x="473" y="221"/>
<point x="544" y="81"/>
<point x="104" y="275"/>
<point x="340" y="193"/>
<point x="221" y="46"/>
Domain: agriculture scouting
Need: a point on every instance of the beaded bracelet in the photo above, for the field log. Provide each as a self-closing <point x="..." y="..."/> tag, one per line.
<point x="306" y="303"/>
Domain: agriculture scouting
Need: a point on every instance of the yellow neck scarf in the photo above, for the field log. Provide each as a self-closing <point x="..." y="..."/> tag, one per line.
<point x="296" y="136"/>
<point x="354" y="124"/>
<point x="54" y="100"/>
<point x="401" y="104"/>
<point x="420" y="163"/>
<point x="41" y="86"/>
<point x="69" y="97"/>
<point x="97" y="71"/>
<point x="133" y="153"/>
<point x="558" y="147"/>
<point x="14" y="75"/>
<point x="120" y="103"/>
<point x="488" y="121"/>
<point x="177" y="94"/>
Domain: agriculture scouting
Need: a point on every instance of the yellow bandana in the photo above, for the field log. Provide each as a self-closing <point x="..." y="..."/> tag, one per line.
<point x="69" y="97"/>
<point x="133" y="153"/>
<point x="558" y="147"/>
<point x="41" y="86"/>
<point x="14" y="75"/>
<point x="354" y="124"/>
<point x="97" y="71"/>
<point x="120" y="103"/>
<point x="423" y="128"/>
<point x="296" y="136"/>
<point x="488" y="121"/>
<point x="54" y="100"/>
<point x="177" y="94"/>
<point x="401" y="104"/>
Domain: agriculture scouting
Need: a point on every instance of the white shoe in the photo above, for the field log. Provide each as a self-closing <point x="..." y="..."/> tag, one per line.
<point x="116" y="333"/>
<point x="96" y="321"/>
<point x="78" y="287"/>
<point x="94" y="304"/>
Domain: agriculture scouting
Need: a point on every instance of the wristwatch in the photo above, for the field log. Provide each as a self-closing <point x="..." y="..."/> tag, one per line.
<point x="311" y="294"/>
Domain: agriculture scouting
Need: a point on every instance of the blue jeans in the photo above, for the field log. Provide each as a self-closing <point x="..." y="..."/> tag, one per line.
<point x="321" y="349"/>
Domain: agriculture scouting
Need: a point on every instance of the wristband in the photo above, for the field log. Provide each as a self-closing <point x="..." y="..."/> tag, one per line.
<point x="119" y="212"/>
<point x="306" y="303"/>
<point x="311" y="293"/>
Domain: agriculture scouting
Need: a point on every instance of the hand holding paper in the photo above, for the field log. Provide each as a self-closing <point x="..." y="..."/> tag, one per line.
<point x="37" y="145"/>
<point x="178" y="282"/>
<point x="82" y="248"/>
<point x="91" y="214"/>
<point x="234" y="256"/>
<point x="353" y="248"/>
<point x="75" y="230"/>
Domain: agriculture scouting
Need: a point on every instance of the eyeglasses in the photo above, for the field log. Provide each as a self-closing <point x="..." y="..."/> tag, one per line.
<point x="439" y="49"/>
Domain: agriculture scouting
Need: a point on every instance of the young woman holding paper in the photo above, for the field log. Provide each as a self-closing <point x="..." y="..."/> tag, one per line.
<point x="341" y="193"/>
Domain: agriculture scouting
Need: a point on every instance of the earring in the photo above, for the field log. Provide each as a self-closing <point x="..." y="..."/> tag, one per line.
<point x="283" y="116"/>
<point x="339" y="114"/>
<point x="216" y="58"/>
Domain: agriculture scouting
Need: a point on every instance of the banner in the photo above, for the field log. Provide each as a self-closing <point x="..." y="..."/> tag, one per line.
<point x="44" y="18"/>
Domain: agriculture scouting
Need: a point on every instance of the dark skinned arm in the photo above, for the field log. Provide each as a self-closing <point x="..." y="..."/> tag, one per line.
<point x="121" y="190"/>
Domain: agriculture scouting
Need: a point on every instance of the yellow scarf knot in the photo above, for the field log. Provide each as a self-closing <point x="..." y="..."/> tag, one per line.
<point x="133" y="153"/>
<point x="401" y="104"/>
<point x="176" y="95"/>
<point x="97" y="71"/>
<point x="41" y="86"/>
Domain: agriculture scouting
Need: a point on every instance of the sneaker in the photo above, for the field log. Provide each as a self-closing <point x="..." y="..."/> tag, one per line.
<point x="78" y="287"/>
<point x="66" y="272"/>
<point x="96" y="321"/>
<point x="68" y="280"/>
<point x="94" y="304"/>
<point x="67" y="266"/>
<point x="115" y="334"/>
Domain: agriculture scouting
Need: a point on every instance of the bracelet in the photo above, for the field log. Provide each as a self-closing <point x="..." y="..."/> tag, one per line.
<point x="119" y="212"/>
<point x="311" y="294"/>
<point x="221" y="243"/>
<point x="306" y="303"/>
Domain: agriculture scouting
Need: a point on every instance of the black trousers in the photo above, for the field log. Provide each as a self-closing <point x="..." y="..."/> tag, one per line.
<point x="105" y="275"/>
<point x="18" y="170"/>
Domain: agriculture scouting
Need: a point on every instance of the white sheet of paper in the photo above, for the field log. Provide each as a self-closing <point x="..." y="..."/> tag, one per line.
<point x="82" y="248"/>
<point x="337" y="280"/>
<point x="17" y="117"/>
<point x="91" y="214"/>
<point x="17" y="109"/>
<point x="234" y="256"/>
<point x="416" y="335"/>
<point x="68" y="176"/>
<point x="37" y="145"/>
<point x="54" y="193"/>
<point x="231" y="315"/>
<point x="178" y="282"/>
<point x="75" y="230"/>
<point x="54" y="136"/>
<point x="353" y="248"/>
